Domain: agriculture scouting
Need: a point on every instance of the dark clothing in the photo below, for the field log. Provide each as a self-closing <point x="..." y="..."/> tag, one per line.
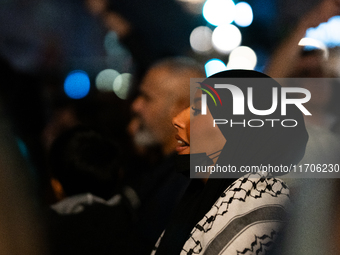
<point x="160" y="190"/>
<point x="97" y="229"/>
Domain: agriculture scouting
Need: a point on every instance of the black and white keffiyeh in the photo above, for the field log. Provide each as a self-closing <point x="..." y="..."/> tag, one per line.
<point x="244" y="220"/>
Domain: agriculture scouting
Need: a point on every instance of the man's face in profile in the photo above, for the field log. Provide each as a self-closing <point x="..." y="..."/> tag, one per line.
<point x="153" y="109"/>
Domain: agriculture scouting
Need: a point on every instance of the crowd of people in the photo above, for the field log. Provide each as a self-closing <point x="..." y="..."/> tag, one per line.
<point x="106" y="176"/>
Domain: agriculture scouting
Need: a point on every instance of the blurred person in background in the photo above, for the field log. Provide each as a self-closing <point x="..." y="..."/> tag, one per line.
<point x="333" y="68"/>
<point x="21" y="224"/>
<point x="285" y="59"/>
<point x="308" y="230"/>
<point x="23" y="105"/>
<point x="95" y="212"/>
<point x="164" y="92"/>
<point x="149" y="31"/>
<point x="290" y="60"/>
<point x="103" y="111"/>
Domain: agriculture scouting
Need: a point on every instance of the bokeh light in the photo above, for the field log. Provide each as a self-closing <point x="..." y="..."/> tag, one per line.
<point x="214" y="66"/>
<point x="311" y="43"/>
<point x="242" y="57"/>
<point x="200" y="39"/>
<point x="244" y="14"/>
<point x="111" y="43"/>
<point x="77" y="84"/>
<point x="326" y="32"/>
<point x="219" y="12"/>
<point x="121" y="85"/>
<point x="240" y="63"/>
<point x="225" y="38"/>
<point x="105" y="79"/>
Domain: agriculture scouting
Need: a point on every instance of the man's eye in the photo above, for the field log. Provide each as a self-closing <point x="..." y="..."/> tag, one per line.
<point x="146" y="97"/>
<point x="196" y="111"/>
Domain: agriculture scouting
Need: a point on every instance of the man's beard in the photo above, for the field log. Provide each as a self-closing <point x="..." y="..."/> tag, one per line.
<point x="144" y="137"/>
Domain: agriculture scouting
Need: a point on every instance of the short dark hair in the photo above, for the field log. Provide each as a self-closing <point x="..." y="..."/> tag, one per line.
<point x="182" y="64"/>
<point x="84" y="161"/>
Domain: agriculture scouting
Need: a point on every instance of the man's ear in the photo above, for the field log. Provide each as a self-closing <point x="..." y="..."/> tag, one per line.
<point x="57" y="189"/>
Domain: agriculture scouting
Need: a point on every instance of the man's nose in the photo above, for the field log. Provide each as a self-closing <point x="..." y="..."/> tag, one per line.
<point x="137" y="105"/>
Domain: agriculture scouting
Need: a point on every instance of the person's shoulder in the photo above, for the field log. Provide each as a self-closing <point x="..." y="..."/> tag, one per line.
<point x="270" y="185"/>
<point x="250" y="211"/>
<point x="255" y="191"/>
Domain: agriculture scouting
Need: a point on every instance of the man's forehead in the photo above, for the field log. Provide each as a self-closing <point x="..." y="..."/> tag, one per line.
<point x="157" y="81"/>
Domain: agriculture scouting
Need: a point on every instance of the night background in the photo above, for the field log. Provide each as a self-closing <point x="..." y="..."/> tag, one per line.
<point x="65" y="63"/>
